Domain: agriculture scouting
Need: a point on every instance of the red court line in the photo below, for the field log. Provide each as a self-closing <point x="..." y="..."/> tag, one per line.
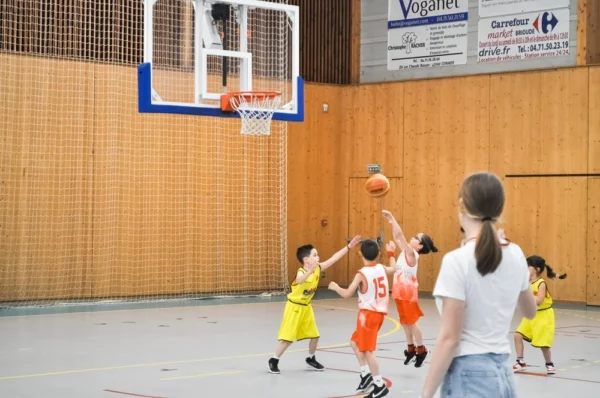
<point x="132" y="394"/>
<point x="555" y="377"/>
<point x="358" y="394"/>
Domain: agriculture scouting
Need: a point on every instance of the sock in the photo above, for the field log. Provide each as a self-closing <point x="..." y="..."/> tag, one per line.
<point x="421" y="349"/>
<point x="311" y="355"/>
<point x="378" y="380"/>
<point x="411" y="348"/>
<point x="364" y="370"/>
<point x="520" y="359"/>
<point x="275" y="357"/>
<point x="549" y="364"/>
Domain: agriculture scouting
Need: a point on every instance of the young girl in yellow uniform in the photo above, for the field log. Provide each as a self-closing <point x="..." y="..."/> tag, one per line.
<point x="538" y="331"/>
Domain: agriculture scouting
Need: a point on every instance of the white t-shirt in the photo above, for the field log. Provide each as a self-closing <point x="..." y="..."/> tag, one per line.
<point x="490" y="301"/>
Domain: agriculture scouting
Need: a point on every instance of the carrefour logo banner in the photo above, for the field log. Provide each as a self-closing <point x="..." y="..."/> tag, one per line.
<point x="517" y="37"/>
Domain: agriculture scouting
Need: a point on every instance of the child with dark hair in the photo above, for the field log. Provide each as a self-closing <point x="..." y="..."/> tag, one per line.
<point x="405" y="289"/>
<point x="298" y="321"/>
<point x="373" y="299"/>
<point x="538" y="331"/>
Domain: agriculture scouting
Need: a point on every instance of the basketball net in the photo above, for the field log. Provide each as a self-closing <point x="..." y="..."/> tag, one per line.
<point x="256" y="111"/>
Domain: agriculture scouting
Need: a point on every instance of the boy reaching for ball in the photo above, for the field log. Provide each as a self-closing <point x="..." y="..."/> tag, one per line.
<point x="298" y="321"/>
<point x="373" y="299"/>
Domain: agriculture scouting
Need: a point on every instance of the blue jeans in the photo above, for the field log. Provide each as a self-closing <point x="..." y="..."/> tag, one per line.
<point x="475" y="376"/>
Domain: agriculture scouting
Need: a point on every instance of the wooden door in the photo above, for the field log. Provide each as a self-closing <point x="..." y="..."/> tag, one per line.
<point x="364" y="218"/>
<point x="593" y="243"/>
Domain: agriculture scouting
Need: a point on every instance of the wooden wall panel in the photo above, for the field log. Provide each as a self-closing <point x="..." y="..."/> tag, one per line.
<point x="548" y="216"/>
<point x="538" y="122"/>
<point x="45" y="189"/>
<point x="139" y="196"/>
<point x="593" y="242"/>
<point x="446" y="132"/>
<point x="594" y="121"/>
<point x="582" y="31"/>
<point x="317" y="186"/>
<point x="592" y="32"/>
<point x="365" y="218"/>
<point x="374" y="128"/>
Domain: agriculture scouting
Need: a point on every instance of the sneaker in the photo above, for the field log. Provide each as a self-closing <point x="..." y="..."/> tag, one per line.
<point x="550" y="368"/>
<point x="273" y="368"/>
<point x="312" y="362"/>
<point x="519" y="365"/>
<point x="420" y="359"/>
<point x="409" y="356"/>
<point x="378" y="391"/>
<point x="365" y="383"/>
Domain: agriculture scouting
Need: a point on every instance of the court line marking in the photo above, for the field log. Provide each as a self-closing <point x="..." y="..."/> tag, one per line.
<point x="387" y="381"/>
<point x="204" y="375"/>
<point x="132" y="394"/>
<point x="142" y="365"/>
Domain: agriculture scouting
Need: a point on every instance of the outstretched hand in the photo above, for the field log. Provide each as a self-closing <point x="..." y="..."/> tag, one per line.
<point x="333" y="286"/>
<point x="388" y="215"/>
<point x="354" y="241"/>
<point x="390" y="246"/>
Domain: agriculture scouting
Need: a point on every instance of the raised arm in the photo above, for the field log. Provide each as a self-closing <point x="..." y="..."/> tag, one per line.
<point x="333" y="259"/>
<point x="390" y="248"/>
<point x="400" y="238"/>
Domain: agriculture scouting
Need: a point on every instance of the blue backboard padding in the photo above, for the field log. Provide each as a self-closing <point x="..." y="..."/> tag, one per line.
<point x="145" y="104"/>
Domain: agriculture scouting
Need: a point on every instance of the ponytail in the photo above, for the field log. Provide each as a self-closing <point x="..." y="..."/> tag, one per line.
<point x="488" y="251"/>
<point x="539" y="264"/>
<point x="551" y="274"/>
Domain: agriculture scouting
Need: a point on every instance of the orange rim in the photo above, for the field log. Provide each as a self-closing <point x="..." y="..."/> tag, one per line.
<point x="247" y="95"/>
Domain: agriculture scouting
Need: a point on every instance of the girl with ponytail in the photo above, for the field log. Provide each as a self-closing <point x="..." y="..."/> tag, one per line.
<point x="477" y="291"/>
<point x="538" y="331"/>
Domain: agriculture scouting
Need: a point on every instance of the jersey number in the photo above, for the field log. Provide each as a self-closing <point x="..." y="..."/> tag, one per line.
<point x="380" y="286"/>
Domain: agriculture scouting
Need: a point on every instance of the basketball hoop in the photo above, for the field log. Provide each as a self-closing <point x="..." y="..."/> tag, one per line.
<point x="255" y="108"/>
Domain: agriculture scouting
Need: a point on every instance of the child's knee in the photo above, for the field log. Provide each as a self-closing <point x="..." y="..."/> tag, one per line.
<point x="518" y="337"/>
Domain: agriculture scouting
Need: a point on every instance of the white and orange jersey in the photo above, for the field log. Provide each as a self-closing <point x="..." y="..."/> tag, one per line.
<point x="376" y="296"/>
<point x="410" y="270"/>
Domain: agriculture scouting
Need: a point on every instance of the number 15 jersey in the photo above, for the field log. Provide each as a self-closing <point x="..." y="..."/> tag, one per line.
<point x="376" y="296"/>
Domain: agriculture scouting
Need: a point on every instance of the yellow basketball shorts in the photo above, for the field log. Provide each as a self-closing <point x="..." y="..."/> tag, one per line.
<point x="539" y="331"/>
<point x="298" y="323"/>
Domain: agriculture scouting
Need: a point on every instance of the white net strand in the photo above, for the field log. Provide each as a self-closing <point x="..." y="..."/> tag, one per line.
<point x="256" y="114"/>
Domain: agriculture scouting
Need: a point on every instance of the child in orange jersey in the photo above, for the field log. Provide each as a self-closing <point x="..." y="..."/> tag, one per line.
<point x="373" y="299"/>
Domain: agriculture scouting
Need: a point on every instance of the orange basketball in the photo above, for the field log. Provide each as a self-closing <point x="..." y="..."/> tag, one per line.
<point x="377" y="185"/>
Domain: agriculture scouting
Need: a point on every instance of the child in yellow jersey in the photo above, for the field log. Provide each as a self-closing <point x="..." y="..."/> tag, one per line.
<point x="298" y="321"/>
<point x="539" y="331"/>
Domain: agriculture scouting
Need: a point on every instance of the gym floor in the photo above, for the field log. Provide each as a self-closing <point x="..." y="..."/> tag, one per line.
<point x="220" y="348"/>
